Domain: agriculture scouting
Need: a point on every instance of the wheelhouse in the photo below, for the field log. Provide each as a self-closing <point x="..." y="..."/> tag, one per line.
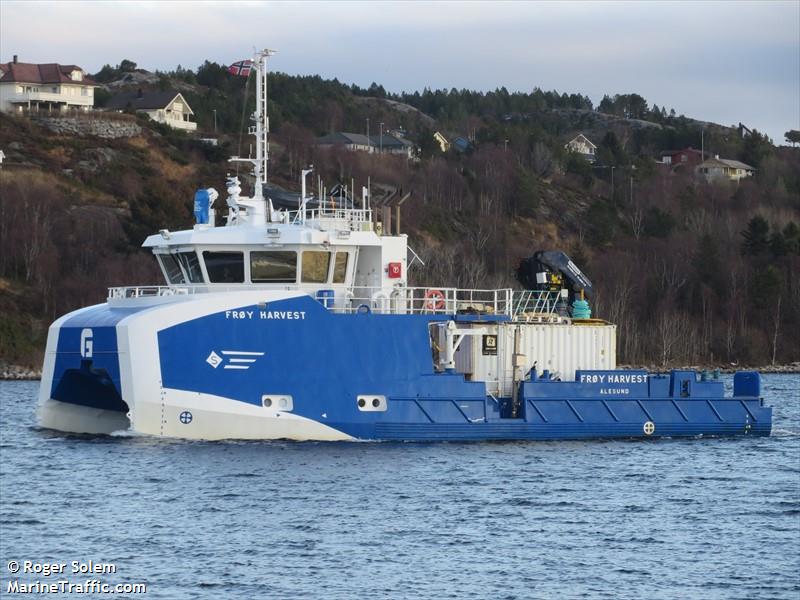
<point x="228" y="265"/>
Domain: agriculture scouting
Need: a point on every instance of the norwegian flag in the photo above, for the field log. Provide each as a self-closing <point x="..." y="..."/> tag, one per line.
<point x="241" y="68"/>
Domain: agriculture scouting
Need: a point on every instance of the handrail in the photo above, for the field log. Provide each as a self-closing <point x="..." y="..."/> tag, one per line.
<point x="515" y="304"/>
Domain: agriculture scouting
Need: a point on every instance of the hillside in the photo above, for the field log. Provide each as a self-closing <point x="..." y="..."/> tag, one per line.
<point x="693" y="273"/>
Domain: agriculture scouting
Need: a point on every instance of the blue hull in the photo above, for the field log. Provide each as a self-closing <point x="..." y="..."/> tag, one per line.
<point x="324" y="362"/>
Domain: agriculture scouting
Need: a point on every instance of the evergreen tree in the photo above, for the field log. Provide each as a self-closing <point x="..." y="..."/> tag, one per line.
<point x="777" y="244"/>
<point x="756" y="236"/>
<point x="791" y="234"/>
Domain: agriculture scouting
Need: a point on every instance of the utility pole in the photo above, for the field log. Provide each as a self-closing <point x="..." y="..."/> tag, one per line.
<point x="215" y="120"/>
<point x="381" y="138"/>
<point x="612" y="183"/>
<point x="631" y="200"/>
<point x="702" y="144"/>
<point x="369" y="141"/>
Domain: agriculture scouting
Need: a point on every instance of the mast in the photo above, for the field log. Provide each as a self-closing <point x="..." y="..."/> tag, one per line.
<point x="261" y="119"/>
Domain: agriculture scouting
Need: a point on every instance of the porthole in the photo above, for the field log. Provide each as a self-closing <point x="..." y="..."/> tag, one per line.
<point x="362" y="403"/>
<point x="267" y="402"/>
<point x="376" y="402"/>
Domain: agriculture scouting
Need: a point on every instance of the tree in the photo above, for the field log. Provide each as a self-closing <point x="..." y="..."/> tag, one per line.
<point x="756" y="236"/>
<point x="791" y="235"/>
<point x="610" y="151"/>
<point x="792" y="136"/>
<point x="126" y="66"/>
<point x="756" y="148"/>
<point x="777" y="243"/>
<point x="210" y="74"/>
<point x="658" y="223"/>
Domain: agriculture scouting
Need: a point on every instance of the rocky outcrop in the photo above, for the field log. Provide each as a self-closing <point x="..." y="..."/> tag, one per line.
<point x="18" y="373"/>
<point x="102" y="127"/>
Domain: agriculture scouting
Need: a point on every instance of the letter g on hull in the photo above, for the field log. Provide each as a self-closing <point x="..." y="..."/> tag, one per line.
<point x="86" y="343"/>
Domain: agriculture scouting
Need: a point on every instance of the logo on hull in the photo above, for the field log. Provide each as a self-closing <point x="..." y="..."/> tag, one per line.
<point x="233" y="359"/>
<point x="87" y="345"/>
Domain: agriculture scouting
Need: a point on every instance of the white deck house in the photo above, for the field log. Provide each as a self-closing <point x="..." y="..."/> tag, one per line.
<point x="169" y="107"/>
<point x="582" y="145"/>
<point x="724" y="169"/>
<point x="48" y="87"/>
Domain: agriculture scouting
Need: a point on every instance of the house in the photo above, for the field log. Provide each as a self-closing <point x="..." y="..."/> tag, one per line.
<point x="387" y="143"/>
<point x="444" y="145"/>
<point x="461" y="144"/>
<point x="393" y="143"/>
<point x="49" y="87"/>
<point x="355" y="142"/>
<point x="169" y="107"/>
<point x="677" y="158"/>
<point x="721" y="169"/>
<point x="582" y="145"/>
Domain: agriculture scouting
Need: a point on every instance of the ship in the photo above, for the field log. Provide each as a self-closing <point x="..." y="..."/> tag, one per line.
<point x="294" y="319"/>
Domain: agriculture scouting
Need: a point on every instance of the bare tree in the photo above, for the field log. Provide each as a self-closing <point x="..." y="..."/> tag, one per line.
<point x="777" y="328"/>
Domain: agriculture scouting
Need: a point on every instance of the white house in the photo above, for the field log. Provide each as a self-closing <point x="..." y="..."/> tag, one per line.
<point x="168" y="107"/>
<point x="49" y="87"/>
<point x="720" y="169"/>
<point x="444" y="144"/>
<point x="582" y="145"/>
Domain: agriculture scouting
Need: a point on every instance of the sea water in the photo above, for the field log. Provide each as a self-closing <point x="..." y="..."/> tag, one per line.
<point x="693" y="518"/>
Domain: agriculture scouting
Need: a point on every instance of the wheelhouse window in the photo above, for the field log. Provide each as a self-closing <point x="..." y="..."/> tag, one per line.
<point x="274" y="266"/>
<point x="191" y="266"/>
<point x="315" y="266"/>
<point x="340" y="267"/>
<point x="172" y="268"/>
<point x="224" y="267"/>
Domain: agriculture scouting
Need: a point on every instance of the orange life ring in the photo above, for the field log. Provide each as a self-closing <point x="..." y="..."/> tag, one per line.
<point x="434" y="300"/>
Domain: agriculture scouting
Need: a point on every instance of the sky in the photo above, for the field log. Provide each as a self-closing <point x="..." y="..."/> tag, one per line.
<point x="726" y="62"/>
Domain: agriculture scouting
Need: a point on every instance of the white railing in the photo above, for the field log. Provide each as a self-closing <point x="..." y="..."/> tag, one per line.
<point x="535" y="304"/>
<point x="329" y="217"/>
<point x="520" y="305"/>
<point x="176" y="122"/>
<point x="51" y="97"/>
<point x="419" y="300"/>
<point x="161" y="291"/>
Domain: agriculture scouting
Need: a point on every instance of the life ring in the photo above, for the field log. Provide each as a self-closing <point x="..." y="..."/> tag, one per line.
<point x="434" y="300"/>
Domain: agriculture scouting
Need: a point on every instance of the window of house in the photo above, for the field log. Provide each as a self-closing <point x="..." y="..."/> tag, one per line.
<point x="340" y="267"/>
<point x="191" y="266"/>
<point x="315" y="266"/>
<point x="83" y="92"/>
<point x="171" y="268"/>
<point x="224" y="267"/>
<point x="274" y="266"/>
<point x="177" y="107"/>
